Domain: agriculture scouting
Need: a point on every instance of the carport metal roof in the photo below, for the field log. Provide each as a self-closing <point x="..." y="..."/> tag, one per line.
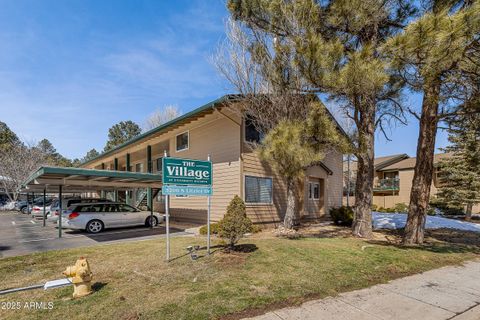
<point x="82" y="180"/>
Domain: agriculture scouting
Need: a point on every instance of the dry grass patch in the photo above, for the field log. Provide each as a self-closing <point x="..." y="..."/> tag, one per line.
<point x="133" y="281"/>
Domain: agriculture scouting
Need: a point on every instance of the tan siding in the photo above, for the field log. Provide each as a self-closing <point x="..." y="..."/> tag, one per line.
<point x="334" y="184"/>
<point x="264" y="213"/>
<point x="273" y="213"/>
<point x="221" y="139"/>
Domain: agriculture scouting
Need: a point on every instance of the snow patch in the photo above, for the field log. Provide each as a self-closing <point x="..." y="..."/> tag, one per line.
<point x="398" y="220"/>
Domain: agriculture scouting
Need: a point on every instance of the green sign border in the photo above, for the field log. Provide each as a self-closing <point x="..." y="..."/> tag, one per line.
<point x="186" y="181"/>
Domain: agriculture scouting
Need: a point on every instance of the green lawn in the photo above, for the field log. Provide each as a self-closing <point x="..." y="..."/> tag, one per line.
<point x="133" y="281"/>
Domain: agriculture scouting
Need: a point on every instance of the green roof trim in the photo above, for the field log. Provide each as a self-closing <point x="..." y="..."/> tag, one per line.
<point x="210" y="105"/>
<point x="91" y="173"/>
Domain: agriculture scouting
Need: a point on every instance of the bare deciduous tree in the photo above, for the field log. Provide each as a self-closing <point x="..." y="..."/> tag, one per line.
<point x="16" y="164"/>
<point x="268" y="95"/>
<point x="161" y="116"/>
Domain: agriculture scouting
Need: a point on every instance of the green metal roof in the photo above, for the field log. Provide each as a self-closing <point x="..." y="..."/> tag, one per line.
<point x="79" y="179"/>
<point x="210" y="105"/>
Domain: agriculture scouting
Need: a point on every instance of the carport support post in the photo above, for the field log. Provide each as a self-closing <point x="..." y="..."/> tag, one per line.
<point x="127" y="164"/>
<point x="60" y="211"/>
<point x="115" y="167"/>
<point x="151" y="207"/>
<point x="208" y="216"/>
<point x="149" y="170"/>
<point x="167" y="217"/>
<point x="44" y="210"/>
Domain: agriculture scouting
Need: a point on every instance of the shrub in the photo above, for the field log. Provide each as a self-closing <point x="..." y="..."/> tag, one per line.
<point x="213" y="229"/>
<point x="256" y="228"/>
<point x="235" y="223"/>
<point x="374" y="207"/>
<point x="445" y="208"/>
<point x="401" y="207"/>
<point x="342" y="216"/>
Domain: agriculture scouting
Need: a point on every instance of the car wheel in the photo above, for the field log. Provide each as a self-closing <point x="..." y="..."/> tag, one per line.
<point x="155" y="222"/>
<point x="94" y="226"/>
<point x="24" y="210"/>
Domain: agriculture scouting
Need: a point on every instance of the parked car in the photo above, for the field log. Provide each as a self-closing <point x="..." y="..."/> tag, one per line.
<point x="95" y="217"/>
<point x="37" y="208"/>
<point x="67" y="202"/>
<point x="21" y="205"/>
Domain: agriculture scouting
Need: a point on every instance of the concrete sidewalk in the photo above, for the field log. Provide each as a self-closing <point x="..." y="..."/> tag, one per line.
<point x="446" y="293"/>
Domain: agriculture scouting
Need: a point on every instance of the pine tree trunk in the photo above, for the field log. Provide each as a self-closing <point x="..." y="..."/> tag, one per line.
<point x="362" y="222"/>
<point x="423" y="172"/>
<point x="290" y="212"/>
<point x="468" y="212"/>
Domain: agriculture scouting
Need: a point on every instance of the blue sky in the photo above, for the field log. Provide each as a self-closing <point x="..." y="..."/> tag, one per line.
<point x="69" y="70"/>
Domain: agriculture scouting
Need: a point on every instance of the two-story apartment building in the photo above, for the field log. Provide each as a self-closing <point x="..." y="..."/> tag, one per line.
<point x="394" y="176"/>
<point x="218" y="129"/>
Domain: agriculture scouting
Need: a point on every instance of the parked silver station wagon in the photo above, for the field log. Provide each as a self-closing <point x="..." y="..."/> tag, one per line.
<point x="95" y="217"/>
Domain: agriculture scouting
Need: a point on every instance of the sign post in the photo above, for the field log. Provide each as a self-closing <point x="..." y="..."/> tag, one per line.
<point x="208" y="214"/>
<point x="167" y="208"/>
<point x="186" y="177"/>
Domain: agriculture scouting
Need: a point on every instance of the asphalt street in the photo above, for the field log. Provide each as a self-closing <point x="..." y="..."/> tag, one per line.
<point x="21" y="234"/>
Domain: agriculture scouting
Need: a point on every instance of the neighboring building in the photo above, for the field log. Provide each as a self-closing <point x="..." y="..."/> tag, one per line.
<point x="218" y="129"/>
<point x="393" y="179"/>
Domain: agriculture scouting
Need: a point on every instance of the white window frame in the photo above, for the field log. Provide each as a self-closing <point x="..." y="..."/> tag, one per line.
<point x="188" y="145"/>
<point x="245" y="193"/>
<point x="311" y="194"/>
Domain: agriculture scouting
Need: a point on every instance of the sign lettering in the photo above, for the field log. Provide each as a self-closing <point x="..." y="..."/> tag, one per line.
<point x="186" y="172"/>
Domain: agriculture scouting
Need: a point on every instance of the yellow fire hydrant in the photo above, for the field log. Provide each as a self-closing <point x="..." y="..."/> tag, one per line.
<point x="81" y="277"/>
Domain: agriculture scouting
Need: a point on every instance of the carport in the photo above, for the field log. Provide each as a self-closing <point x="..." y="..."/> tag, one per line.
<point x="79" y="180"/>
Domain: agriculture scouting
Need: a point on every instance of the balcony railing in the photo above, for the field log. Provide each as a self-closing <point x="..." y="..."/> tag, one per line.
<point x="387" y="185"/>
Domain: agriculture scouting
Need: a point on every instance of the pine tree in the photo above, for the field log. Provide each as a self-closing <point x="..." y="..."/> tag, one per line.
<point x="292" y="146"/>
<point x="460" y="173"/>
<point x="331" y="47"/>
<point x="93" y="153"/>
<point x="120" y="133"/>
<point x="8" y="138"/>
<point x="431" y="55"/>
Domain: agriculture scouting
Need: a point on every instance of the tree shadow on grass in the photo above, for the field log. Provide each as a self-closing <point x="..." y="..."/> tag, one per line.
<point x="244" y="248"/>
<point x="438" y="241"/>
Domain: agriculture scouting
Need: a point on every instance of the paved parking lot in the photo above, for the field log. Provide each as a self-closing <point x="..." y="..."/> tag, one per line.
<point x="20" y="234"/>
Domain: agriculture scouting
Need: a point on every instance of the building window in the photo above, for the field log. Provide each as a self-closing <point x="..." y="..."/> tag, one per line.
<point x="139" y="167"/>
<point x="251" y="132"/>
<point x="258" y="190"/>
<point x="159" y="164"/>
<point x="182" y="141"/>
<point x="314" y="190"/>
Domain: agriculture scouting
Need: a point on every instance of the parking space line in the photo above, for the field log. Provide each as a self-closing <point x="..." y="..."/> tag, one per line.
<point x="33" y="222"/>
<point x="14" y="223"/>
<point x="93" y="235"/>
